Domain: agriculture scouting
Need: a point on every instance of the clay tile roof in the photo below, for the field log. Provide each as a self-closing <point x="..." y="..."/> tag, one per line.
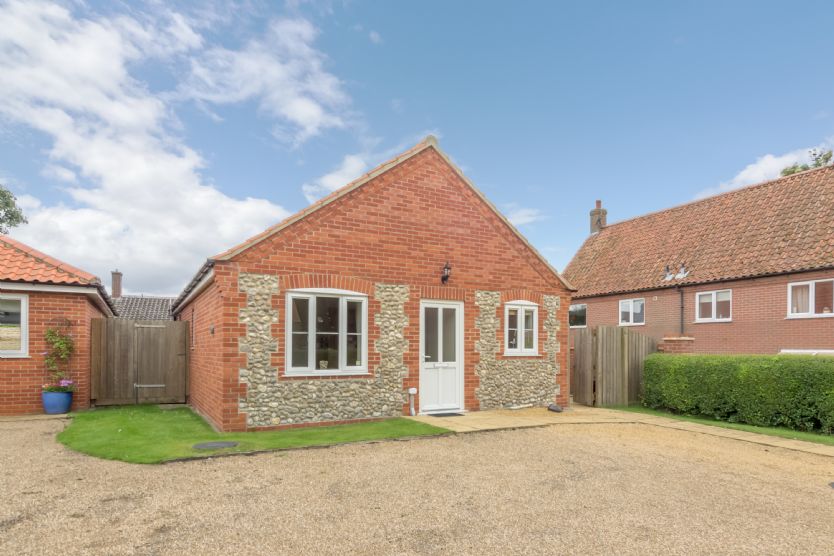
<point x="21" y="263"/>
<point x="140" y="307"/>
<point x="780" y="226"/>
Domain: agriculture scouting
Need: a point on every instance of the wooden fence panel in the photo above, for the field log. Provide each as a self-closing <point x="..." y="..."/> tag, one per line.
<point x="608" y="366"/>
<point x="583" y="353"/>
<point x="129" y="352"/>
<point x="640" y="346"/>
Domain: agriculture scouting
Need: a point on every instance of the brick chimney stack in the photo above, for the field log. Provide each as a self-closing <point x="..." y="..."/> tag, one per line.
<point x="598" y="218"/>
<point x="116" y="284"/>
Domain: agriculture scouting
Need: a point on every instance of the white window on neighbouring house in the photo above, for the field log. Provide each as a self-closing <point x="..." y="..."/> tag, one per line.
<point x="716" y="306"/>
<point x="521" y="328"/>
<point x="811" y="299"/>
<point x="632" y="312"/>
<point x="327" y="332"/>
<point x="578" y="315"/>
<point x="14" y="325"/>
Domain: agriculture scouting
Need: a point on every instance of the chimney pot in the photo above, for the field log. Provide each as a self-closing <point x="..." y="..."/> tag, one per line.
<point x="116" y="283"/>
<point x="598" y="217"/>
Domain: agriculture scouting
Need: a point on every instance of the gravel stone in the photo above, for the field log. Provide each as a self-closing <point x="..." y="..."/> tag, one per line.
<point x="563" y="489"/>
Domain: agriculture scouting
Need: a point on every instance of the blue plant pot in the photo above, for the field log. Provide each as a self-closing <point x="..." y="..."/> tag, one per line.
<point x="55" y="403"/>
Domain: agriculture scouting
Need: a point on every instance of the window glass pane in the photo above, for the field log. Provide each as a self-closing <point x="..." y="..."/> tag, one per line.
<point x="578" y="315"/>
<point x="354" y="350"/>
<point x="512" y="319"/>
<point x="300" y="314"/>
<point x="723" y="305"/>
<point x="449" y="335"/>
<point x="704" y="305"/>
<point x="800" y="298"/>
<point x="528" y="339"/>
<point x="327" y="314"/>
<point x="625" y="311"/>
<point x="10" y="327"/>
<point x="823" y="297"/>
<point x="354" y="316"/>
<point x="430" y="334"/>
<point x="300" y="350"/>
<point x="327" y="352"/>
<point x="638" y="316"/>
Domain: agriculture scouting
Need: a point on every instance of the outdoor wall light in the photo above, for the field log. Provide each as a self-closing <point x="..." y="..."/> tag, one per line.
<point x="446" y="273"/>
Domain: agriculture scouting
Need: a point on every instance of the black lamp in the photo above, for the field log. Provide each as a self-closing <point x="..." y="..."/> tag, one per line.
<point x="446" y="273"/>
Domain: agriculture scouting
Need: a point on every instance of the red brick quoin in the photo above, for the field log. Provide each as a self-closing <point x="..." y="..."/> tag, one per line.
<point x="397" y="226"/>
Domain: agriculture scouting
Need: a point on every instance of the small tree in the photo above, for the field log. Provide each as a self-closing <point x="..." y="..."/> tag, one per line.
<point x="819" y="158"/>
<point x="10" y="213"/>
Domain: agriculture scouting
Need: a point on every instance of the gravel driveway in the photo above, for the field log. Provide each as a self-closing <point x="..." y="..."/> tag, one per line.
<point x="625" y="488"/>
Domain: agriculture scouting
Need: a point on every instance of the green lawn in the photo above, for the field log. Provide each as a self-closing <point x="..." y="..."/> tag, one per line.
<point x="771" y="431"/>
<point x="148" y="434"/>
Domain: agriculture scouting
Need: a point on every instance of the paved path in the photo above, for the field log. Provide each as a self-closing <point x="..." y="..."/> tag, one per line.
<point x="583" y="415"/>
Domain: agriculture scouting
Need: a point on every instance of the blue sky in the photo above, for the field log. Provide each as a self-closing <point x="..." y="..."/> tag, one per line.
<point x="150" y="136"/>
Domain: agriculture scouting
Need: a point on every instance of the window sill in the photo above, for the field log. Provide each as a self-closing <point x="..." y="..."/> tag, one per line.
<point x="529" y="354"/>
<point x="15" y="356"/>
<point x="800" y="317"/>
<point x="633" y="324"/>
<point x="711" y="321"/>
<point x="297" y="374"/>
<point x="583" y="326"/>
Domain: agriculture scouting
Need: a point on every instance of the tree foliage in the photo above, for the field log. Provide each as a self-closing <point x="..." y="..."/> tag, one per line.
<point x="10" y="213"/>
<point x="819" y="158"/>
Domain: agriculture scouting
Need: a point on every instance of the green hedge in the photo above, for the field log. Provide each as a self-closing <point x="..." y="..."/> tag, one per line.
<point x="794" y="391"/>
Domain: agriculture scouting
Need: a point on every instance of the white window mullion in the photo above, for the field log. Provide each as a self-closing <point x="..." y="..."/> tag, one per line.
<point x="311" y="333"/>
<point x="342" y="342"/>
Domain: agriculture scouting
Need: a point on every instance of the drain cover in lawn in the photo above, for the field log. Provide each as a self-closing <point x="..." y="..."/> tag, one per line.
<point x="214" y="445"/>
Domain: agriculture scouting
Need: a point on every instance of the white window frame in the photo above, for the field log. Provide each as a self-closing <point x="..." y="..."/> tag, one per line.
<point x="811" y="300"/>
<point x="23" y="352"/>
<point x="630" y="312"/>
<point x="586" y="315"/>
<point x="343" y="296"/>
<point x="714" y="296"/>
<point x="521" y="306"/>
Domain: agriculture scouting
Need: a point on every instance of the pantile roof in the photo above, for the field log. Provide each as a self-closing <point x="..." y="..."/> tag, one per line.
<point x="141" y="307"/>
<point x="21" y="263"/>
<point x="780" y="226"/>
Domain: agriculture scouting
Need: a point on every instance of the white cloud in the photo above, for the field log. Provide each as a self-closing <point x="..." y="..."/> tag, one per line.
<point x="375" y="37"/>
<point x="519" y="216"/>
<point x="139" y="202"/>
<point x="352" y="166"/>
<point x="282" y="71"/>
<point x="765" y="168"/>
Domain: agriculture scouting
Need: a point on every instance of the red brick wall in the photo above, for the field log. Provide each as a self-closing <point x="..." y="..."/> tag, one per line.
<point x="21" y="379"/>
<point x="400" y="228"/>
<point x="758" y="323"/>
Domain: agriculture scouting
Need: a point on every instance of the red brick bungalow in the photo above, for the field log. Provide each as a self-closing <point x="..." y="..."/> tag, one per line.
<point x="405" y="279"/>
<point x="749" y="271"/>
<point x="38" y="292"/>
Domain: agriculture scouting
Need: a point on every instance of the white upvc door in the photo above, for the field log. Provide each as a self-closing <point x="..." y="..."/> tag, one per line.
<point x="441" y="355"/>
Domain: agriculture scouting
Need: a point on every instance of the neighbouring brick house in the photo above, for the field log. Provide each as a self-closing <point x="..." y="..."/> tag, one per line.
<point x="748" y="271"/>
<point x="335" y="313"/>
<point x="38" y="292"/>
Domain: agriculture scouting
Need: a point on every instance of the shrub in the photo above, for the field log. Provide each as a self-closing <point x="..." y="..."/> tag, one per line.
<point x="794" y="391"/>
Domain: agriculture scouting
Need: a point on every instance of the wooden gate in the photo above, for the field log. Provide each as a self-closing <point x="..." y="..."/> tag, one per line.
<point x="608" y="364"/>
<point x="139" y="361"/>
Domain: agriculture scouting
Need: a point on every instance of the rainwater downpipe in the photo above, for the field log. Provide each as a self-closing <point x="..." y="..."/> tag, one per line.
<point x="680" y="291"/>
